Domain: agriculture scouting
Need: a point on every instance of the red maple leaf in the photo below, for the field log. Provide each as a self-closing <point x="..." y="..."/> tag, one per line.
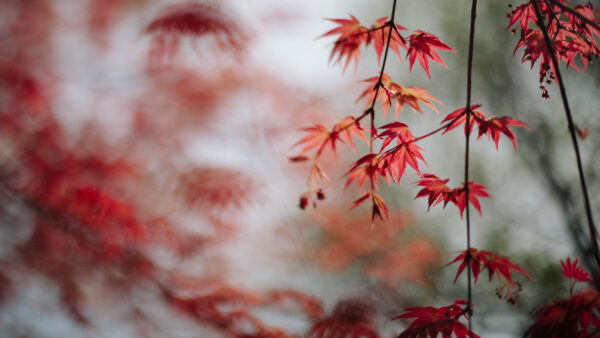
<point x="493" y="126"/>
<point x="378" y="36"/>
<point x="572" y="270"/>
<point x="365" y="167"/>
<point x="574" y="273"/>
<point x="430" y="321"/>
<point x="350" y="126"/>
<point x="524" y="14"/>
<point x="380" y="208"/>
<point x="317" y="138"/>
<point x="405" y="152"/>
<point x="475" y="190"/>
<point x="437" y="191"/>
<point x="459" y="116"/>
<point x="422" y="45"/>
<point x="498" y="266"/>
<point x="393" y="91"/>
<point x="351" y="37"/>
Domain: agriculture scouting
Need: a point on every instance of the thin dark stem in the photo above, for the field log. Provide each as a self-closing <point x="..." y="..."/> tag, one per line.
<point x="467" y="137"/>
<point x="385" y="55"/>
<point x="571" y="125"/>
<point x="378" y="85"/>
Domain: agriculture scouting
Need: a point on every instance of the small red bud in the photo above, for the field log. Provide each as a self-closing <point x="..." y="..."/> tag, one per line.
<point x="303" y="202"/>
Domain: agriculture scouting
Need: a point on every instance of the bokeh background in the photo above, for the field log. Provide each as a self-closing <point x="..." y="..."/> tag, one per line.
<point x="146" y="188"/>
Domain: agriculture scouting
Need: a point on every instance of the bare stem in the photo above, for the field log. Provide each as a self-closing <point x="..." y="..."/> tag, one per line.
<point x="467" y="137"/>
<point x="563" y="93"/>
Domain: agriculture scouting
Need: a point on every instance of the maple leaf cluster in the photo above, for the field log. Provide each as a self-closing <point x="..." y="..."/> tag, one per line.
<point x="576" y="316"/>
<point x="436" y="191"/>
<point x="491" y="126"/>
<point x="431" y="322"/>
<point x="573" y="33"/>
<point x="352" y="35"/>
<point x="87" y="214"/>
<point x="497" y="266"/>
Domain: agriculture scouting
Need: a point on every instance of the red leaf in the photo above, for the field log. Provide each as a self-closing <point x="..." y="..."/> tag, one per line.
<point x="493" y="126"/>
<point x="360" y="200"/>
<point x="459" y="116"/>
<point x="524" y="14"/>
<point x="576" y="316"/>
<point x="379" y="207"/>
<point x="378" y="35"/>
<point x="431" y="322"/>
<point x="405" y="152"/>
<point x="422" y="45"/>
<point x="435" y="189"/>
<point x="350" y="126"/>
<point x="393" y="91"/>
<point x="572" y="270"/>
<point x="475" y="190"/>
<point x="498" y="266"/>
<point x="351" y="37"/>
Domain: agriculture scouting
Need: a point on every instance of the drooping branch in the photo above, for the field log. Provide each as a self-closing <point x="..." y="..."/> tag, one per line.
<point x="572" y="130"/>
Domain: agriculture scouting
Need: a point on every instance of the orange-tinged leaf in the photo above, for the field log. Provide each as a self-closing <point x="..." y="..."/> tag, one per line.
<point x="379" y="207"/>
<point x="360" y="200"/>
<point x="351" y="37"/>
<point x="316" y="139"/>
<point x="391" y="91"/>
<point x="350" y="126"/>
<point x="405" y="152"/>
<point x="379" y="33"/>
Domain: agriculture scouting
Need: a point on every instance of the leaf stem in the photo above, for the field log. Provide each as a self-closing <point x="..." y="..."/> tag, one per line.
<point x="467" y="137"/>
<point x="563" y="93"/>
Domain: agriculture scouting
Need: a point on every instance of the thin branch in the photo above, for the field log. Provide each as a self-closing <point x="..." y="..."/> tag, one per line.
<point x="563" y="93"/>
<point x="371" y="110"/>
<point x="467" y="137"/>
